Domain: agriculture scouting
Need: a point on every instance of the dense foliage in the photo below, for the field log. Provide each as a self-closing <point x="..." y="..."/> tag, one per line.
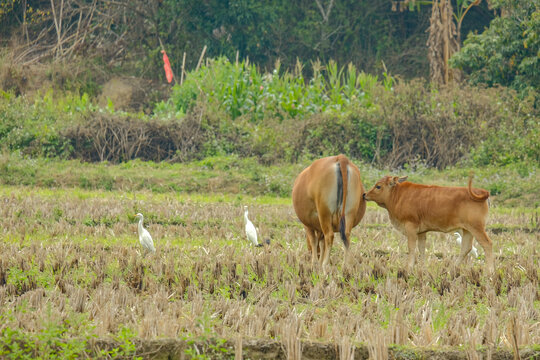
<point x="266" y="31"/>
<point x="232" y="108"/>
<point x="240" y="89"/>
<point x="127" y="35"/>
<point x="508" y="52"/>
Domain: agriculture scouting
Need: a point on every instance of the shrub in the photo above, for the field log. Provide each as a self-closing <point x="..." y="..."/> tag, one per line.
<point x="435" y="127"/>
<point x="231" y="109"/>
<point x="32" y="128"/>
<point x="414" y="123"/>
<point x="122" y="137"/>
<point x="506" y="53"/>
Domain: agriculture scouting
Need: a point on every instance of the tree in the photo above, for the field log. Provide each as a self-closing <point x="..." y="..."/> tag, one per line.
<point x="442" y="42"/>
<point x="508" y="52"/>
<point x="444" y="33"/>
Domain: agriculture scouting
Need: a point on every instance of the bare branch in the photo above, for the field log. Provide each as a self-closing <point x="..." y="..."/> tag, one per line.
<point x="325" y="14"/>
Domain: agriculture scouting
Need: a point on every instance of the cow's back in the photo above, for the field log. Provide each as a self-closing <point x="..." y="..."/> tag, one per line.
<point x="318" y="184"/>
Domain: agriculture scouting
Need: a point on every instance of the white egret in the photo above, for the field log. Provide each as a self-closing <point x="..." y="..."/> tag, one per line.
<point x="251" y="232"/>
<point x="473" y="249"/>
<point x="144" y="236"/>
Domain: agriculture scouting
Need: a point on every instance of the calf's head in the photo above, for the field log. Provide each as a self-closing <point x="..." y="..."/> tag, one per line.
<point x="380" y="192"/>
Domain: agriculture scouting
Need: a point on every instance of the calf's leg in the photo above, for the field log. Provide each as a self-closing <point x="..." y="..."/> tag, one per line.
<point x="422" y="247"/>
<point x="466" y="246"/>
<point x="484" y="240"/>
<point x="412" y="236"/>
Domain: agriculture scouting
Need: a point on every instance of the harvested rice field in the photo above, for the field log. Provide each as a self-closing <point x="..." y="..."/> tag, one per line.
<point x="75" y="283"/>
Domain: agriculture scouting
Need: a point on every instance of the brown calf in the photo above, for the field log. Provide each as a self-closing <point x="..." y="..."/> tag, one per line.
<point x="415" y="209"/>
<point x="327" y="198"/>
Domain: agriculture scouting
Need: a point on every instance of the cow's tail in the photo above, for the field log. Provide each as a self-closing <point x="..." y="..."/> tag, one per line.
<point x="343" y="183"/>
<point x="483" y="197"/>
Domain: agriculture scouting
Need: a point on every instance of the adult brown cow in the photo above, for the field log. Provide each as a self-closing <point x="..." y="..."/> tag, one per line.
<point x="327" y="198"/>
<point x="415" y="209"/>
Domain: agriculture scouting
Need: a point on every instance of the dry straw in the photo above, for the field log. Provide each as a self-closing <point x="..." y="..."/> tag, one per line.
<point x="206" y="279"/>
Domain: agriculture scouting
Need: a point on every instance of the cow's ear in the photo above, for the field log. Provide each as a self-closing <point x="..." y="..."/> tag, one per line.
<point x="393" y="181"/>
<point x="402" y="179"/>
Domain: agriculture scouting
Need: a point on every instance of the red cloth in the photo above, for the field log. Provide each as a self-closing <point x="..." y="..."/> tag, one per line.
<point x="167" y="66"/>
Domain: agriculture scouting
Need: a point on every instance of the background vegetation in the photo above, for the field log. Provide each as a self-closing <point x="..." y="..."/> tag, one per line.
<point x="269" y="87"/>
<point x="231" y="108"/>
<point x="507" y="53"/>
<point x="127" y="34"/>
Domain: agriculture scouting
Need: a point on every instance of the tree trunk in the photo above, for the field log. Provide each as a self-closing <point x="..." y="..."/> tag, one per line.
<point x="442" y="43"/>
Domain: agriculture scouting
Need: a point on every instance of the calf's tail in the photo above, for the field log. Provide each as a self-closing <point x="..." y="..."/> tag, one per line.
<point x="484" y="194"/>
<point x="343" y="183"/>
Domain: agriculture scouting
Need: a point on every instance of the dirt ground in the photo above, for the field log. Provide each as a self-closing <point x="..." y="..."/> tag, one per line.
<point x="267" y="349"/>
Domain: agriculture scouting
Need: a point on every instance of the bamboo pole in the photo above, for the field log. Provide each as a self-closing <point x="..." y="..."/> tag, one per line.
<point x="183" y="68"/>
<point x="200" y="59"/>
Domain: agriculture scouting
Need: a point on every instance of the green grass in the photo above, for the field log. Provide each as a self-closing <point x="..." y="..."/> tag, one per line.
<point x="232" y="179"/>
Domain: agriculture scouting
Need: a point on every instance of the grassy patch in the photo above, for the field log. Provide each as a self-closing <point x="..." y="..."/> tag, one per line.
<point x="234" y="180"/>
